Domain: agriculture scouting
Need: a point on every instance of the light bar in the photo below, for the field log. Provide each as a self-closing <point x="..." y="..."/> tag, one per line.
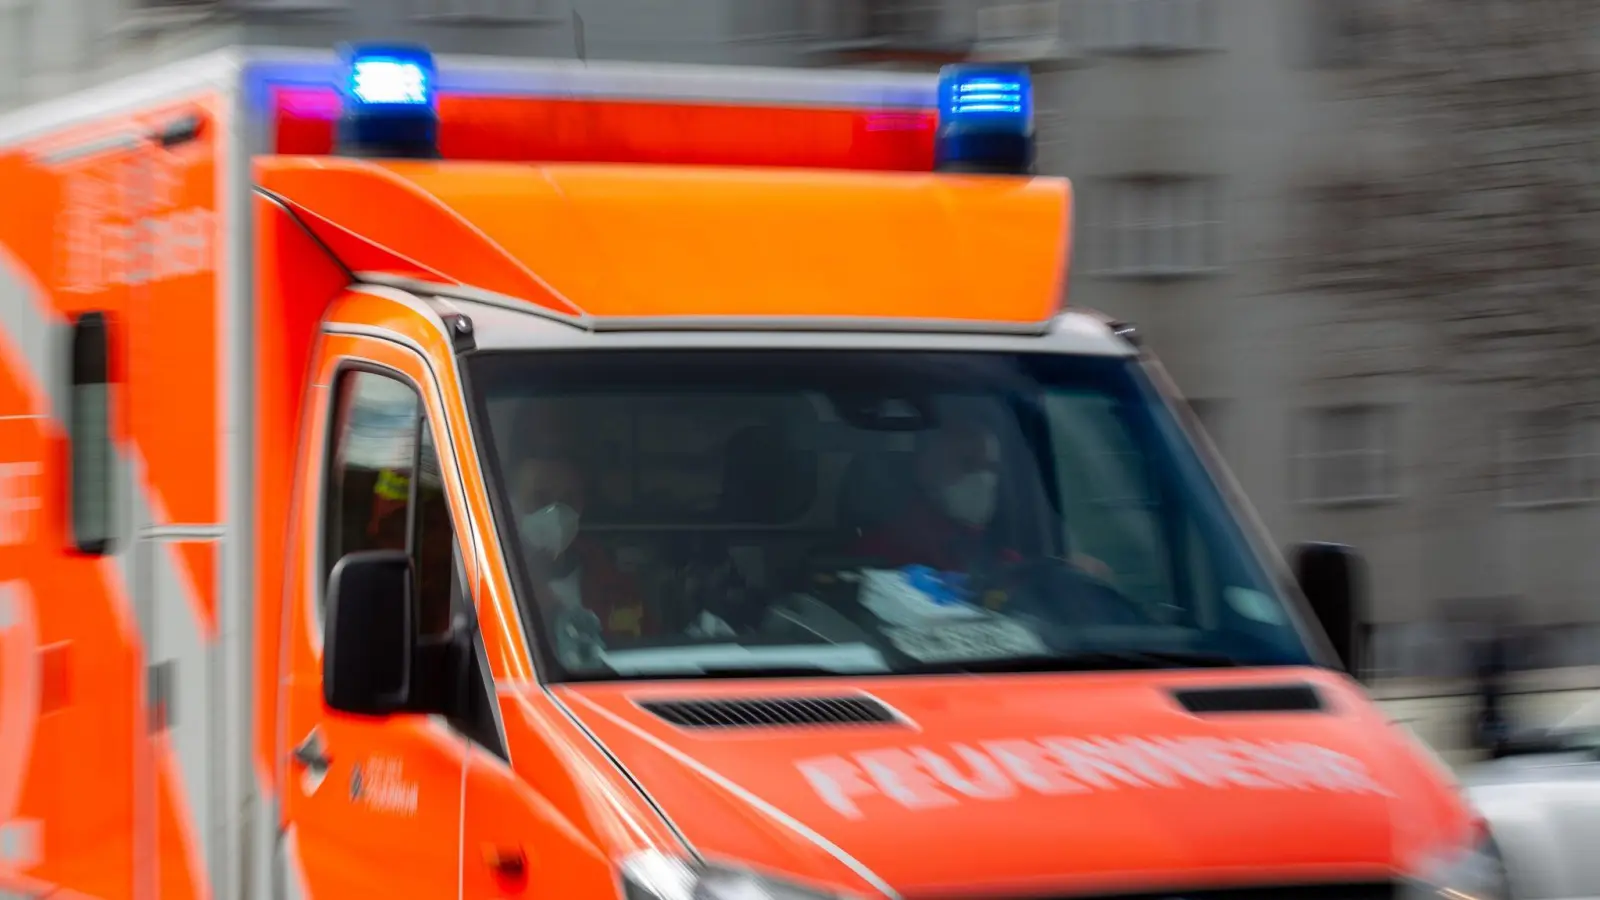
<point x="992" y="96"/>
<point x="985" y="120"/>
<point x="397" y="82"/>
<point x="389" y="107"/>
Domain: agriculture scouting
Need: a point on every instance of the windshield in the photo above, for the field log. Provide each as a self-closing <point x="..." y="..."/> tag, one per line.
<point x="716" y="513"/>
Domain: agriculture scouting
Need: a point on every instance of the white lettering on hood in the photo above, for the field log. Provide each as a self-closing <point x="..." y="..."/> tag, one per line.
<point x="919" y="778"/>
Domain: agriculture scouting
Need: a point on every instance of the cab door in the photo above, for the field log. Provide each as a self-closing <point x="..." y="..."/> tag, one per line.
<point x="371" y="805"/>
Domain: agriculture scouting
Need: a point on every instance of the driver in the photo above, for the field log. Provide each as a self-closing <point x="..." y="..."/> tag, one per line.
<point x="946" y="526"/>
<point x="548" y="496"/>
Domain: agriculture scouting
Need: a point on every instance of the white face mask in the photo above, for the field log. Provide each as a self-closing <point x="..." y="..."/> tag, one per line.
<point x="971" y="498"/>
<point x="550" y="529"/>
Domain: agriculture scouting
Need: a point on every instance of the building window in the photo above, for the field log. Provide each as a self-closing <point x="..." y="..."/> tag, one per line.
<point x="484" y="12"/>
<point x="1020" y="29"/>
<point x="1156" y="227"/>
<point x="1548" y="458"/>
<point x="91" y="481"/>
<point x="1347" y="455"/>
<point x="1148" y="26"/>
<point x="774" y="21"/>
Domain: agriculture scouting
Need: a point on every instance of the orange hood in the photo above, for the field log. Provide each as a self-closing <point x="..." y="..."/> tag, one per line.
<point x="1036" y="783"/>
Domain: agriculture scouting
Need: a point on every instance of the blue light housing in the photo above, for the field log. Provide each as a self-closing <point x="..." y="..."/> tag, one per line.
<point x="985" y="120"/>
<point x="389" y="103"/>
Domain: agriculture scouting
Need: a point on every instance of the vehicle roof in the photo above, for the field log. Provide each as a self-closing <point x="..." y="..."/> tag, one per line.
<point x="620" y="241"/>
<point x="257" y="67"/>
<point x="501" y="324"/>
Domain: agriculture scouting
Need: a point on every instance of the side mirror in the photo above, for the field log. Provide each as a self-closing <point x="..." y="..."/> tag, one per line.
<point x="1331" y="576"/>
<point x="367" y="645"/>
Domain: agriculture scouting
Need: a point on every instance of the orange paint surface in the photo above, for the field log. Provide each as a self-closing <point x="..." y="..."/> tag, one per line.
<point x="666" y="241"/>
<point x="70" y="242"/>
<point x="1001" y="836"/>
<point x="295" y="280"/>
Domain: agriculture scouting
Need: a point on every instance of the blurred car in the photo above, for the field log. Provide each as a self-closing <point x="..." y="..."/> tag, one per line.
<point x="1541" y="798"/>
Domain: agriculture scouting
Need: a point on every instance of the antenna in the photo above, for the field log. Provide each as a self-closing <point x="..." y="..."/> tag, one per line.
<point x="577" y="37"/>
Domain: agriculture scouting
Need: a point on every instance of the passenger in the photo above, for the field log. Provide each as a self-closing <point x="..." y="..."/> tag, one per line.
<point x="569" y="570"/>
<point x="386" y="527"/>
<point x="946" y="527"/>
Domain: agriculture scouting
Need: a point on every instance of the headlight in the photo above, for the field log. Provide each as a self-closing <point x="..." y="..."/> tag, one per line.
<point x="1471" y="873"/>
<point x="652" y="875"/>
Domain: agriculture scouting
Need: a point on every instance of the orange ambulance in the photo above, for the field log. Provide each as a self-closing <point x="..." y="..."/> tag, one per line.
<point x="501" y="479"/>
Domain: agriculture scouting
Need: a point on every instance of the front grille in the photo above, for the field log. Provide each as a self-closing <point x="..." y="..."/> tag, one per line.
<point x="771" y="712"/>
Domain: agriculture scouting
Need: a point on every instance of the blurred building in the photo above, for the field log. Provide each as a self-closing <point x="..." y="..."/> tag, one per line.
<point x="1190" y="127"/>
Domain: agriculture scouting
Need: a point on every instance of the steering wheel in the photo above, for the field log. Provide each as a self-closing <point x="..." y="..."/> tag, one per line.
<point x="1056" y="590"/>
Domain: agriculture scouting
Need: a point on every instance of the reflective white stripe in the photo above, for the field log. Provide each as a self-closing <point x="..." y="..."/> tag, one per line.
<point x="183" y="532"/>
<point x="294" y="881"/>
<point x="177" y="630"/>
<point x="92" y="147"/>
<point x="130" y="92"/>
<point x="193" y="844"/>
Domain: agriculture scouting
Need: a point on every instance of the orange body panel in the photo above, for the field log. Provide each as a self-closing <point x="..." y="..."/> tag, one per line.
<point x="963" y="802"/>
<point x="559" y="803"/>
<point x="345" y="847"/>
<point x="624" y="241"/>
<point x="295" y="281"/>
<point x="103" y="803"/>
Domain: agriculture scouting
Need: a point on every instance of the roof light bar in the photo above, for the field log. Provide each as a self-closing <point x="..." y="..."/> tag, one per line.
<point x="389" y="105"/>
<point x="985" y="120"/>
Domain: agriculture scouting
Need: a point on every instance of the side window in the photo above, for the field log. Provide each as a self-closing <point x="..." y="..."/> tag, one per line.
<point x="89" y="432"/>
<point x="385" y="491"/>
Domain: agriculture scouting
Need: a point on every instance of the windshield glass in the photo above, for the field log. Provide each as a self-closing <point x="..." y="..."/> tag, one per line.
<point x="709" y="513"/>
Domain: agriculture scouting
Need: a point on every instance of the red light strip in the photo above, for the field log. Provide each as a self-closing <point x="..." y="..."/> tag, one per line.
<point x="546" y="129"/>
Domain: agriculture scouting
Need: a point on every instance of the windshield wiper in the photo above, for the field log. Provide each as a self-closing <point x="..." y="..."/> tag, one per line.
<point x="786" y="671"/>
<point x="1087" y="661"/>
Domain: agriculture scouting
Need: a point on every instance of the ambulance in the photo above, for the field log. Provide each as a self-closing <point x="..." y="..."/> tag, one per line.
<point x="482" y="478"/>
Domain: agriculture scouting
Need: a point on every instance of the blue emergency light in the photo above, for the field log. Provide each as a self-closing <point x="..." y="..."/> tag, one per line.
<point x="985" y="120"/>
<point x="390" y="108"/>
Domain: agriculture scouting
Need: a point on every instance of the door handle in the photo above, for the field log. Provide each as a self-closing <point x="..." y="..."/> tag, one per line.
<point x="311" y="755"/>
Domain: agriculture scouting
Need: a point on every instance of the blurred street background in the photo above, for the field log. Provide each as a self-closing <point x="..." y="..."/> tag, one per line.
<point x="1359" y="233"/>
